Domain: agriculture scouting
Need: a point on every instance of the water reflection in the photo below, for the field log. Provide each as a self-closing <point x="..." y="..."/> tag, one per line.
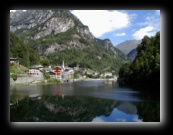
<point x="99" y="89"/>
<point x="124" y="112"/>
<point x="61" y="109"/>
<point x="118" y="116"/>
<point x="86" y="101"/>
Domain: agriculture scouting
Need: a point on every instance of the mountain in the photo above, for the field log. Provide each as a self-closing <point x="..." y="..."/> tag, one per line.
<point x="128" y="46"/>
<point x="132" y="54"/>
<point x="56" y="33"/>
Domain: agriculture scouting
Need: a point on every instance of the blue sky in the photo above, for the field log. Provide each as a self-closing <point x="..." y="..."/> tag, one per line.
<point x="120" y="25"/>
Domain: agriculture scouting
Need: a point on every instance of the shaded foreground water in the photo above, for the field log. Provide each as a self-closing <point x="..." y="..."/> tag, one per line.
<point x="84" y="101"/>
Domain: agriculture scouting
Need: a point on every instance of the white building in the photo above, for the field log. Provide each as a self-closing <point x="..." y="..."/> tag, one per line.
<point x="34" y="71"/>
<point x="107" y="74"/>
<point x="14" y="60"/>
<point x="68" y="71"/>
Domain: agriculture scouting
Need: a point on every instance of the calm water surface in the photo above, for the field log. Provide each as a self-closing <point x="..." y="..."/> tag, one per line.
<point x="83" y="101"/>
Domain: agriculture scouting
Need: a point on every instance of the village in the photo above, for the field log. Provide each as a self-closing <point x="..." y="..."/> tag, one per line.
<point x="60" y="72"/>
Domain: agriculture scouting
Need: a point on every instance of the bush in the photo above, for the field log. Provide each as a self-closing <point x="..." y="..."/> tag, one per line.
<point x="53" y="80"/>
<point x="14" y="76"/>
<point x="46" y="75"/>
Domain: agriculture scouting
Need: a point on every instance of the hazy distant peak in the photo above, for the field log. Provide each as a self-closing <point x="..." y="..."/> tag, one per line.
<point x="128" y="45"/>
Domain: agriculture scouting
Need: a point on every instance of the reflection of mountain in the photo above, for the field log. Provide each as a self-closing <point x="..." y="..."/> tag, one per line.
<point x="128" y="108"/>
<point x="59" y="109"/>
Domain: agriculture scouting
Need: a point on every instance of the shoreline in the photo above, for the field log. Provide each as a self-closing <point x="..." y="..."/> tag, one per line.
<point x="63" y="81"/>
<point x="98" y="79"/>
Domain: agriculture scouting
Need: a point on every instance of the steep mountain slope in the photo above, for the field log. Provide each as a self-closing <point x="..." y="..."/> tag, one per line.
<point x="128" y="45"/>
<point x="50" y="30"/>
<point x="26" y="55"/>
<point x="54" y="32"/>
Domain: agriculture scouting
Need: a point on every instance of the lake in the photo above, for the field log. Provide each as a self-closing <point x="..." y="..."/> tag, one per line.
<point x="82" y="101"/>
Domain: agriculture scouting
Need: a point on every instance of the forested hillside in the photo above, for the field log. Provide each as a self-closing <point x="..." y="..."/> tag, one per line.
<point x="144" y="71"/>
<point x="94" y="58"/>
<point x="26" y="55"/>
<point x="58" y="35"/>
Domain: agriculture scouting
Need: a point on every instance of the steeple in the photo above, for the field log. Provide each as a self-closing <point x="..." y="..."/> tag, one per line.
<point x="63" y="65"/>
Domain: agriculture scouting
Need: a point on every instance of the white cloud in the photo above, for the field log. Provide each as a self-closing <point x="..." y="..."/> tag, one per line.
<point x="151" y="25"/>
<point x="102" y="21"/>
<point x="144" y="31"/>
<point x="120" y="34"/>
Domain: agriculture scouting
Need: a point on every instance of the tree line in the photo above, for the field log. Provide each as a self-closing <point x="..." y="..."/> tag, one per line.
<point x="144" y="71"/>
<point x="26" y="55"/>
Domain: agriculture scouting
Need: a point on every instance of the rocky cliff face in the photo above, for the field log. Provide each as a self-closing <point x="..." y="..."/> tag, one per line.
<point x="47" y="28"/>
<point x="107" y="44"/>
<point x="49" y="31"/>
<point x="54" y="26"/>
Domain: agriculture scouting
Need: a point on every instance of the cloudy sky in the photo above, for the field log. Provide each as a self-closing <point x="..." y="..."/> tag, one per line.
<point x="120" y="25"/>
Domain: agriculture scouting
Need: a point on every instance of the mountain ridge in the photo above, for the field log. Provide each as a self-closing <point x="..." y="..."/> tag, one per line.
<point x="55" y="31"/>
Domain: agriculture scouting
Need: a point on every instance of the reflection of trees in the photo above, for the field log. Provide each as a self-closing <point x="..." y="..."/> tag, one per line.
<point x="149" y="111"/>
<point x="69" y="109"/>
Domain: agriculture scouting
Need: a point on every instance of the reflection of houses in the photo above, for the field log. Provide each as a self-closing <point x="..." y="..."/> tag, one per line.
<point x="35" y="96"/>
<point x="14" y="60"/>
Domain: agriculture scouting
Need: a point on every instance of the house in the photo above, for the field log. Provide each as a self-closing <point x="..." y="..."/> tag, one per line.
<point x="95" y="73"/>
<point x="34" y="71"/>
<point x="68" y="71"/>
<point x="40" y="67"/>
<point x="108" y="74"/>
<point x="76" y="68"/>
<point x="52" y="74"/>
<point x="14" y="60"/>
<point x="83" y="70"/>
<point x="47" y="69"/>
<point x="58" y="70"/>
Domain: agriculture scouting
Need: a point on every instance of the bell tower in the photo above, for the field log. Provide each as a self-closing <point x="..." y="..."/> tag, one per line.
<point x="63" y="64"/>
